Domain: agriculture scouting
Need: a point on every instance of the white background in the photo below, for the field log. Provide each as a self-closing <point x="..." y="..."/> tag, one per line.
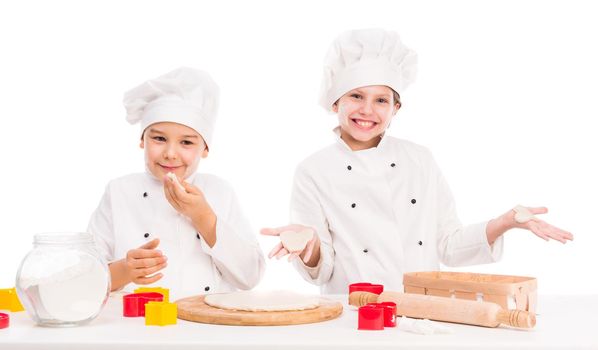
<point x="505" y="99"/>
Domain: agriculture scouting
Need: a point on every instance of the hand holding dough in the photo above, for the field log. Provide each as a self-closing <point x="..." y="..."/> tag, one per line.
<point x="525" y="218"/>
<point x="174" y="179"/>
<point x="189" y="200"/>
<point x="295" y="240"/>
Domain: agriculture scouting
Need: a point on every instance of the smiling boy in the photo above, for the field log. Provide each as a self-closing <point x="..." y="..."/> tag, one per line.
<point x="205" y="243"/>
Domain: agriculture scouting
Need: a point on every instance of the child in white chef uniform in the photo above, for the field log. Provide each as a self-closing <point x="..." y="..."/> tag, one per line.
<point x="171" y="225"/>
<point x="379" y="206"/>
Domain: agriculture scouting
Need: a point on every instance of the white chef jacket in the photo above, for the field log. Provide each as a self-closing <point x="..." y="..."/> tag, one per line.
<point x="135" y="210"/>
<point x="379" y="213"/>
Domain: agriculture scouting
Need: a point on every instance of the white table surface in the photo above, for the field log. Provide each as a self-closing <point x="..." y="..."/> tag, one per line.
<point x="563" y="322"/>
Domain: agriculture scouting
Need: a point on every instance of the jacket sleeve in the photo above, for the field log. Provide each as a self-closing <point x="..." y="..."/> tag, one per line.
<point x="236" y="253"/>
<point x="101" y="227"/>
<point x="460" y="245"/>
<point x="306" y="209"/>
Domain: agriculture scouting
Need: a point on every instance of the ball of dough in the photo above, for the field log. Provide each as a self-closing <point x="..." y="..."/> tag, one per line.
<point x="174" y="179"/>
<point x="522" y="214"/>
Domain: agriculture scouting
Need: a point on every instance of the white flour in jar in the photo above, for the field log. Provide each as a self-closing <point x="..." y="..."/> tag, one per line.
<point x="70" y="287"/>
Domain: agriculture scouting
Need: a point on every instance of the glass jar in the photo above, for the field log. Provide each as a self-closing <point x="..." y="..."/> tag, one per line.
<point x="63" y="281"/>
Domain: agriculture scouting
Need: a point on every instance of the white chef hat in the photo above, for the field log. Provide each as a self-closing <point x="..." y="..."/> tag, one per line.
<point x="366" y="57"/>
<point x="186" y="96"/>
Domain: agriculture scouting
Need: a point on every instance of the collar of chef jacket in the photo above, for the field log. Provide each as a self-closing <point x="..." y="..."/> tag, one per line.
<point x="381" y="144"/>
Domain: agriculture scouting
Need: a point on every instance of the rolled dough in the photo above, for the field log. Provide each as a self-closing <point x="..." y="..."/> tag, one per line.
<point x="262" y="301"/>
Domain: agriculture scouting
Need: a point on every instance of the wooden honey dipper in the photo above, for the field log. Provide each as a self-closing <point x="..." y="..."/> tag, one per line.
<point x="479" y="313"/>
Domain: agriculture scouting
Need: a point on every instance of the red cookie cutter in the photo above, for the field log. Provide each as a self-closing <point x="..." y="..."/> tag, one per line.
<point x="371" y="317"/>
<point x="4" y="320"/>
<point x="366" y="287"/>
<point x="134" y="304"/>
<point x="390" y="312"/>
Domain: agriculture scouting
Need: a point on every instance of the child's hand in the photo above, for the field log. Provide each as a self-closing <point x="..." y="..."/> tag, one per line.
<point x="144" y="261"/>
<point x="189" y="202"/>
<point x="312" y="246"/>
<point x="523" y="217"/>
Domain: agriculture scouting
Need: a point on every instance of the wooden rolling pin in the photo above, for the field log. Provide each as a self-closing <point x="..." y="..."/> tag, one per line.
<point x="479" y="313"/>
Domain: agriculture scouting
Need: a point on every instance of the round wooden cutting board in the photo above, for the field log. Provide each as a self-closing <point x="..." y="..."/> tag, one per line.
<point x="196" y="310"/>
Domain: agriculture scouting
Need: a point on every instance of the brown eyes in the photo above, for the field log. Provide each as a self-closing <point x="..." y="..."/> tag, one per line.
<point x="359" y="97"/>
<point x="163" y="139"/>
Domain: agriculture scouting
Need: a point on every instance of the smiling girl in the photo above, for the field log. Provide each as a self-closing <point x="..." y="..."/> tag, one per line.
<point x="379" y="206"/>
<point x="206" y="244"/>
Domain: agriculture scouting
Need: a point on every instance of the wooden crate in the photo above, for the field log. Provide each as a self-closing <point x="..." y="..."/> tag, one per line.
<point x="499" y="289"/>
